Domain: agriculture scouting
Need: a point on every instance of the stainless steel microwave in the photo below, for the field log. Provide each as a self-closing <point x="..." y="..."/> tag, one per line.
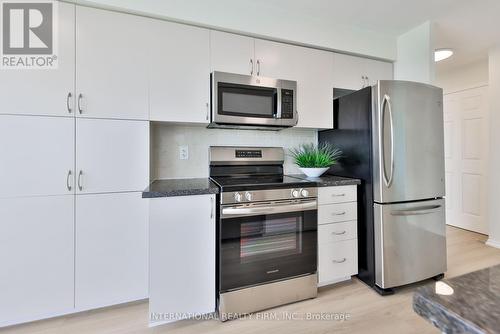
<point x="244" y="101"/>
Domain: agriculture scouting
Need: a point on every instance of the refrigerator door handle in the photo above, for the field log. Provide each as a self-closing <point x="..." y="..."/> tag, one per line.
<point x="386" y="102"/>
<point x="417" y="211"/>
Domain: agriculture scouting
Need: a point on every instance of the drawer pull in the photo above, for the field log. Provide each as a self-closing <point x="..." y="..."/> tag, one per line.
<point x="339" y="261"/>
<point x="338" y="195"/>
<point x="339" y="233"/>
<point x="338" y="213"/>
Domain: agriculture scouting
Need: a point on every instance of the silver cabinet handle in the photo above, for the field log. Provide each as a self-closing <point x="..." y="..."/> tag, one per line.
<point x="423" y="210"/>
<point x="68" y="185"/>
<point x="211" y="207"/>
<point x="68" y="104"/>
<point x="258" y="67"/>
<point x="339" y="261"/>
<point x="339" y="233"/>
<point x="386" y="102"/>
<point x="80" y="180"/>
<point x="338" y="213"/>
<point x="208" y="114"/>
<point x="338" y="195"/>
<point x="80" y="97"/>
<point x="251" y="66"/>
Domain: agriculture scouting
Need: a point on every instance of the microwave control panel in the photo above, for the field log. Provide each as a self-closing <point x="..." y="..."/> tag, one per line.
<point x="287" y="103"/>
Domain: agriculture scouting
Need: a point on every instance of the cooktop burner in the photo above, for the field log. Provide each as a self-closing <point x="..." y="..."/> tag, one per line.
<point x="231" y="183"/>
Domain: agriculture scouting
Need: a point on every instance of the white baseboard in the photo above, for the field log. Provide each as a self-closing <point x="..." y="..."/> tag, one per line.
<point x="493" y="243"/>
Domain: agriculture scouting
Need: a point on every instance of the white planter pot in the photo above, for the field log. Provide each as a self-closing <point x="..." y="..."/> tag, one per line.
<point x="314" y="172"/>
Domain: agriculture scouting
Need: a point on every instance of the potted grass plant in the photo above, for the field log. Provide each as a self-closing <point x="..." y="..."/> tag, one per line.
<point x="314" y="160"/>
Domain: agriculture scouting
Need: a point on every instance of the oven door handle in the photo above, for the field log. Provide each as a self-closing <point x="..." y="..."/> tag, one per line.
<point x="267" y="209"/>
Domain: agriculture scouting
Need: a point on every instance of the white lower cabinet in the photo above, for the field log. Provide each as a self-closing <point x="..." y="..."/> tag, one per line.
<point x="182" y="257"/>
<point x="337" y="234"/>
<point x="36" y="258"/>
<point x="111" y="249"/>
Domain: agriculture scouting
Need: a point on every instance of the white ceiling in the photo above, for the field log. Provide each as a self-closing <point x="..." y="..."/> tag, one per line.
<point x="470" y="27"/>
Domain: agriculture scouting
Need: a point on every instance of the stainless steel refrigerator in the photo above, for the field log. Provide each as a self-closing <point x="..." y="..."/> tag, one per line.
<point x="392" y="138"/>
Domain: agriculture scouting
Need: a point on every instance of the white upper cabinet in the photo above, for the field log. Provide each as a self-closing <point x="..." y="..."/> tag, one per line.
<point x="37" y="258"/>
<point x="46" y="91"/>
<point x="112" y="62"/>
<point x="111" y="155"/>
<point x="37" y="155"/>
<point x="179" y="71"/>
<point x="232" y="53"/>
<point x="311" y="68"/>
<point x="111" y="249"/>
<point x="355" y="72"/>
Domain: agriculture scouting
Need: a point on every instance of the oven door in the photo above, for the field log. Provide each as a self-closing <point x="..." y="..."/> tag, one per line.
<point x="266" y="242"/>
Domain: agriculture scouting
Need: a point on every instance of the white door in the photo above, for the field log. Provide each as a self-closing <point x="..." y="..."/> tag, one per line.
<point x="466" y="131"/>
<point x="349" y="72"/>
<point x="232" y="53"/>
<point x="111" y="155"/>
<point x="378" y="70"/>
<point x="179" y="70"/>
<point x="37" y="155"/>
<point x="44" y="92"/>
<point x="311" y="68"/>
<point x="36" y="257"/>
<point x="182" y="255"/>
<point x="111" y="249"/>
<point x="111" y="64"/>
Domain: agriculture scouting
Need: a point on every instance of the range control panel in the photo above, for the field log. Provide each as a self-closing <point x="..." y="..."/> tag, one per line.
<point x="286" y="103"/>
<point x="248" y="153"/>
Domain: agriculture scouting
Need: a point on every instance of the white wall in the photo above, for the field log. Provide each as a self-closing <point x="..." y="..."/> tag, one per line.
<point x="464" y="77"/>
<point x="167" y="138"/>
<point x="415" y="55"/>
<point x="262" y="20"/>
<point x="494" y="180"/>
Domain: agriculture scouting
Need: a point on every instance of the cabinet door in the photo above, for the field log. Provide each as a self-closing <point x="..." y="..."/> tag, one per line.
<point x="232" y="53"/>
<point x="311" y="68"/>
<point x="37" y="155"/>
<point x="111" y="64"/>
<point x="179" y="72"/>
<point x="349" y="72"/>
<point x="37" y="258"/>
<point x="378" y="70"/>
<point x="111" y="155"/>
<point x="44" y="92"/>
<point x="111" y="249"/>
<point x="182" y="255"/>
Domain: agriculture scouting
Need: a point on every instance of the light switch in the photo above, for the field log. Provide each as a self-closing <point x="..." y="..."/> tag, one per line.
<point x="183" y="152"/>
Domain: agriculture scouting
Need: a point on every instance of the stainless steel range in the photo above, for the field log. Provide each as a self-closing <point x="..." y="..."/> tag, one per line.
<point x="267" y="231"/>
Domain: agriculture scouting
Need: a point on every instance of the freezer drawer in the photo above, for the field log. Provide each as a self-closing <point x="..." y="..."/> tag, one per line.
<point x="408" y="142"/>
<point x="410" y="242"/>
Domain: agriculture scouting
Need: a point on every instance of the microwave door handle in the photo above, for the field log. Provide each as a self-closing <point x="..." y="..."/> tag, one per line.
<point x="267" y="209"/>
<point x="278" y="104"/>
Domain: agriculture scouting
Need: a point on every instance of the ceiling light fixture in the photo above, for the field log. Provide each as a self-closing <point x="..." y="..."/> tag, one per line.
<point x="442" y="54"/>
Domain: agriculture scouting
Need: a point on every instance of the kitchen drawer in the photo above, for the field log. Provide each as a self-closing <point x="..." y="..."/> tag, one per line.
<point x="340" y="194"/>
<point x="337" y="260"/>
<point x="341" y="212"/>
<point x="337" y="232"/>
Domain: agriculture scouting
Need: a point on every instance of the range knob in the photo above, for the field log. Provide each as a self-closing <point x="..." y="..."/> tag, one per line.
<point x="237" y="197"/>
<point x="295" y="193"/>
<point x="304" y="192"/>
<point x="248" y="196"/>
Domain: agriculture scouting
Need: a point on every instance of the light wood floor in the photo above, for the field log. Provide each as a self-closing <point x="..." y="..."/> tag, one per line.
<point x="369" y="312"/>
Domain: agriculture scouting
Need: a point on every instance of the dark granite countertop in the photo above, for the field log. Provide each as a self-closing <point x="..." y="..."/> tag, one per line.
<point x="180" y="187"/>
<point x="472" y="305"/>
<point x="328" y="180"/>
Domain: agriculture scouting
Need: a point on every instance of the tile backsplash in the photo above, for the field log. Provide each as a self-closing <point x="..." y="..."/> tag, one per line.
<point x="166" y="139"/>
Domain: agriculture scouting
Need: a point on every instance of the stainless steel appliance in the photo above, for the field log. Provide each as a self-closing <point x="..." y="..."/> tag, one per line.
<point x="392" y="138"/>
<point x="267" y="231"/>
<point x="245" y="101"/>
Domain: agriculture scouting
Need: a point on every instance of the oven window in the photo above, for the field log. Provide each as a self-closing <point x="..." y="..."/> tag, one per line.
<point x="247" y="101"/>
<point x="270" y="239"/>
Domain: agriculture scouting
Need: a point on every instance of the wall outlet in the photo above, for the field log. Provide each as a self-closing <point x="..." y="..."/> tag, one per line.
<point x="183" y="152"/>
